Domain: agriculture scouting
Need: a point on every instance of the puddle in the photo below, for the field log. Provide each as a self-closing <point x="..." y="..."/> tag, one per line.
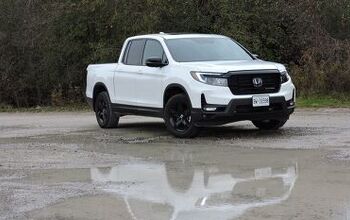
<point x="183" y="183"/>
<point x="65" y="167"/>
<point x="209" y="195"/>
<point x="158" y="190"/>
<point x="244" y="185"/>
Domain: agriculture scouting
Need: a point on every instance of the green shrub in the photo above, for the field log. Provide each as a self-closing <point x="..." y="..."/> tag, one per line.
<point x="45" y="46"/>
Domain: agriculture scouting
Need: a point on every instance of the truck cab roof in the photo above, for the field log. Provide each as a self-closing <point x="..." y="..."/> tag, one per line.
<point x="167" y="36"/>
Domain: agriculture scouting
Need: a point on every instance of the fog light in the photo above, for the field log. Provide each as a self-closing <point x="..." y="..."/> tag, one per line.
<point x="291" y="103"/>
<point x="210" y="109"/>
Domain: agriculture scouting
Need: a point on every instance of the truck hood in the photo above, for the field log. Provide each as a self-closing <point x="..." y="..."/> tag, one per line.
<point x="227" y="66"/>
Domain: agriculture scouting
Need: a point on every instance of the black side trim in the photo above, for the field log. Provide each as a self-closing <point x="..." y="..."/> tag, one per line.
<point x="137" y="110"/>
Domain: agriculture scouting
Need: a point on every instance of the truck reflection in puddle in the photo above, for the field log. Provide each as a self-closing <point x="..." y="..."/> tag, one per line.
<point x="203" y="194"/>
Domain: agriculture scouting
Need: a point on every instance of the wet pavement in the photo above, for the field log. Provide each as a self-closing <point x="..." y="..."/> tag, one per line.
<point x="62" y="166"/>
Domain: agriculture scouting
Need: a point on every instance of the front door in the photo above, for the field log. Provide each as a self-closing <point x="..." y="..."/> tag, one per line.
<point x="150" y="82"/>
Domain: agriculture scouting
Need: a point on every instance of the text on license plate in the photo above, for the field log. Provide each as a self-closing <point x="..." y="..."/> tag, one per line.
<point x="260" y="101"/>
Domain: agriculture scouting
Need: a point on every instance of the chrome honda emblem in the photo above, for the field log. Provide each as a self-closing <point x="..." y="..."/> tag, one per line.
<point x="257" y="82"/>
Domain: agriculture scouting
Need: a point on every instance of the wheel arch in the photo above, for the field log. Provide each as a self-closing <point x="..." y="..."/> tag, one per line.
<point x="173" y="89"/>
<point x="98" y="88"/>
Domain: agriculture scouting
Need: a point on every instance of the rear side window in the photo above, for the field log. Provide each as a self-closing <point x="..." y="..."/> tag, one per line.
<point x="134" y="52"/>
<point x="153" y="49"/>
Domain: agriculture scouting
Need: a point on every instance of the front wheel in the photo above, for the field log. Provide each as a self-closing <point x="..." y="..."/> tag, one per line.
<point x="178" y="117"/>
<point x="269" y="124"/>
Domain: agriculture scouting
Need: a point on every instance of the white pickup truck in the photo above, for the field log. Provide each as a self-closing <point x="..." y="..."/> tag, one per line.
<point x="191" y="81"/>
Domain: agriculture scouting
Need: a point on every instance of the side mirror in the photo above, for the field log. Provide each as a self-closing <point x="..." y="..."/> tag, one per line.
<point x="155" y="62"/>
<point x="256" y="56"/>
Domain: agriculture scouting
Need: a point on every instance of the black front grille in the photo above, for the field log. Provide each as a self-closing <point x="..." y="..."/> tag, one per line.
<point x="241" y="83"/>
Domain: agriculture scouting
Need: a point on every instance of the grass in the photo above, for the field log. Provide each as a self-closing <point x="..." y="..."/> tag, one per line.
<point x="38" y="109"/>
<point x="342" y="101"/>
<point x="324" y="102"/>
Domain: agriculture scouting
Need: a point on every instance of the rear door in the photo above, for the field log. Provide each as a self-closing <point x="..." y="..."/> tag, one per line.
<point x="126" y="81"/>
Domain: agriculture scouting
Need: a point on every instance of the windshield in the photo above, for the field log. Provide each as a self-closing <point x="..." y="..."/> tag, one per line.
<point x="206" y="49"/>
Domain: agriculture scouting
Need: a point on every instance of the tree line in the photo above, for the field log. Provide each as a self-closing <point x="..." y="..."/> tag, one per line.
<point x="46" y="45"/>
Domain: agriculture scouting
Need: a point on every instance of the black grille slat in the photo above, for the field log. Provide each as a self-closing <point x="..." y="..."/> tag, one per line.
<point x="241" y="83"/>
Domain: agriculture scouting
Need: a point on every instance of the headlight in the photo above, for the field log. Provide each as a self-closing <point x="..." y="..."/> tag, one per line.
<point x="214" y="79"/>
<point x="284" y="77"/>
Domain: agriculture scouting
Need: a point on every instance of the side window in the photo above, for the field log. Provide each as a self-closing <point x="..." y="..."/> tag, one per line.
<point x="126" y="51"/>
<point x="153" y="49"/>
<point x="134" y="50"/>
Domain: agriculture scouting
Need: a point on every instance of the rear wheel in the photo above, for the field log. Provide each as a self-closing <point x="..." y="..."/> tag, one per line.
<point x="269" y="124"/>
<point x="105" y="116"/>
<point x="178" y="117"/>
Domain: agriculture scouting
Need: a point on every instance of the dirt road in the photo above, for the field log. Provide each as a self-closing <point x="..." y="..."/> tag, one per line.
<point x="62" y="166"/>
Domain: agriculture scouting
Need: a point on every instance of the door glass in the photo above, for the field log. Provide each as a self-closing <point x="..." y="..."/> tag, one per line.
<point x="135" y="52"/>
<point x="153" y="49"/>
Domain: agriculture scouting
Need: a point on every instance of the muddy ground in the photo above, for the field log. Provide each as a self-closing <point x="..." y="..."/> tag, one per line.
<point x="62" y="166"/>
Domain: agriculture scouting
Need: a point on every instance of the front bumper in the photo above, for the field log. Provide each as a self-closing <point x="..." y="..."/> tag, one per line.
<point x="242" y="110"/>
<point x="220" y="95"/>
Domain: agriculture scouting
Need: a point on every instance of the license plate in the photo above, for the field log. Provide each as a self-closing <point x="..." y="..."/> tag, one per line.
<point x="261" y="101"/>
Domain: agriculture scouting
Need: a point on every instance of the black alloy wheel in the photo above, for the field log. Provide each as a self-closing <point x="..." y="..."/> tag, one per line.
<point x="178" y="117"/>
<point x="101" y="111"/>
<point x="105" y="116"/>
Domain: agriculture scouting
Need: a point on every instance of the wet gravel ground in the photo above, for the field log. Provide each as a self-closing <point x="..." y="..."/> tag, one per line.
<point x="62" y="166"/>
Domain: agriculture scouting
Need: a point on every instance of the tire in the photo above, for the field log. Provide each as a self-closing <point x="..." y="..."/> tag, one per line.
<point x="178" y="117"/>
<point x="269" y="124"/>
<point x="105" y="116"/>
